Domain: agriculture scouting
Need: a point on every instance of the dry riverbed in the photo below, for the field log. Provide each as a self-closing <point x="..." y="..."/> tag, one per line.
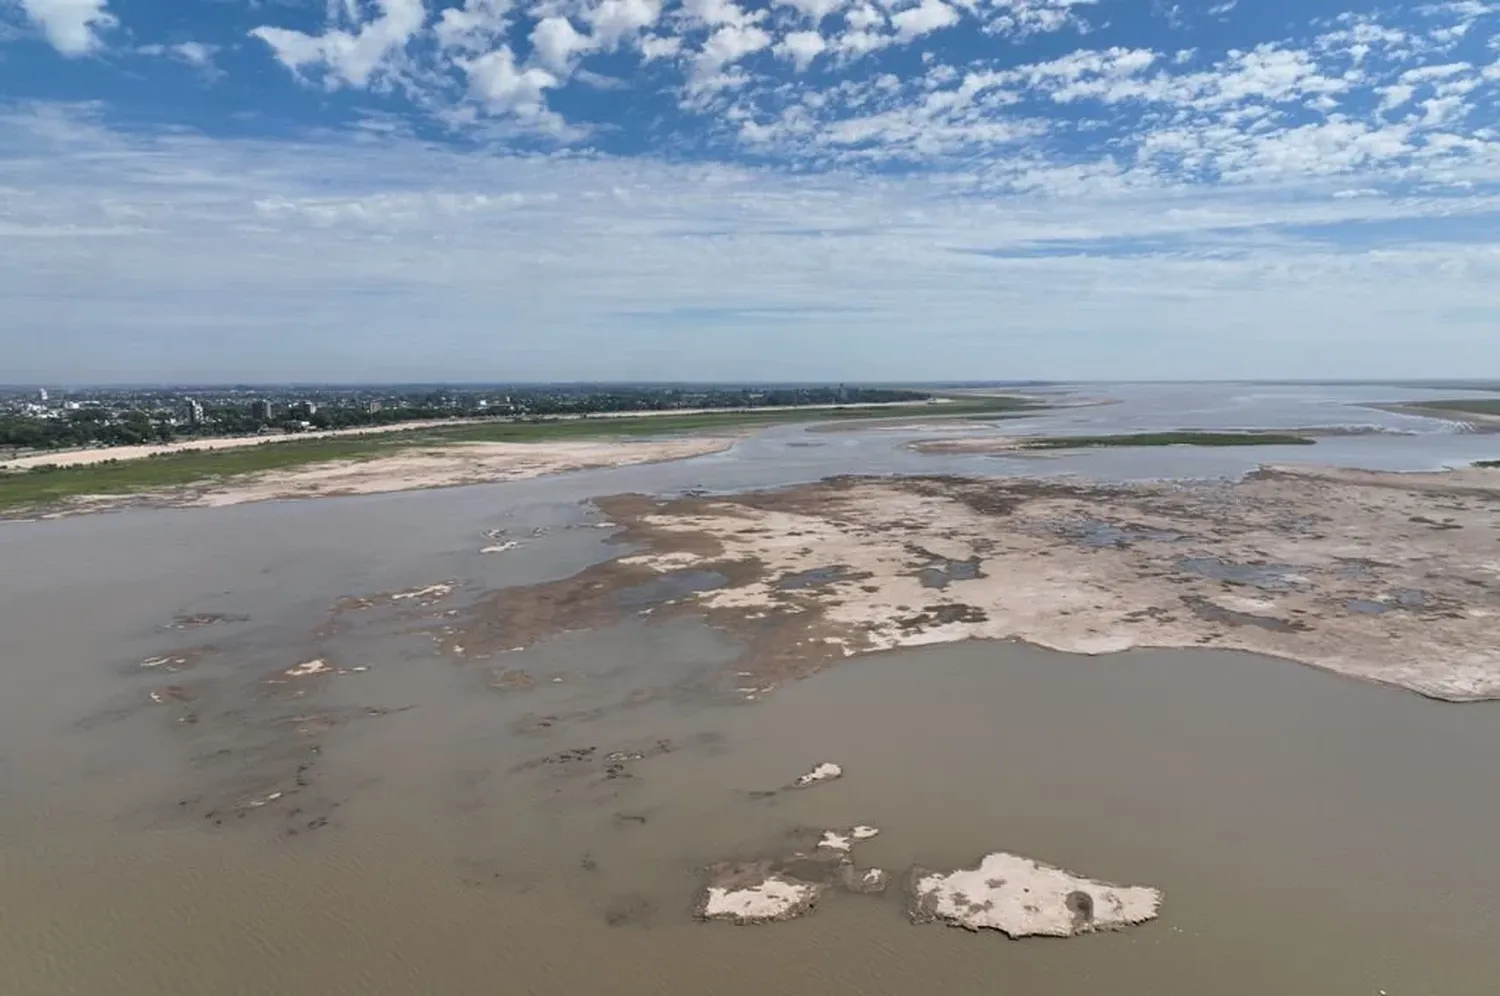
<point x="1391" y="578"/>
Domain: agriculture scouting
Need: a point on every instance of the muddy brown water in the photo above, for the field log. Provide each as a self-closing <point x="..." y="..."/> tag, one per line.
<point x="482" y="834"/>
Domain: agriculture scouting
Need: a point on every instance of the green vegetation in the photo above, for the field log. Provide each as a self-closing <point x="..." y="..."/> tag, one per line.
<point x="49" y="484"/>
<point x="1488" y="464"/>
<point x="1168" y="439"/>
<point x="1471" y="406"/>
<point x="136" y="417"/>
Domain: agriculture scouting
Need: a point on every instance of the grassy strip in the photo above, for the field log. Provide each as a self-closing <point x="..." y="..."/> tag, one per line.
<point x="1167" y="439"/>
<point x="44" y="486"/>
<point x="1471" y="406"/>
<point x="1487" y="464"/>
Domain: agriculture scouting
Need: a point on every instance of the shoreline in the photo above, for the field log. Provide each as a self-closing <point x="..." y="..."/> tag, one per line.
<point x="1474" y="421"/>
<point x="85" y="456"/>
<point x="411" y="469"/>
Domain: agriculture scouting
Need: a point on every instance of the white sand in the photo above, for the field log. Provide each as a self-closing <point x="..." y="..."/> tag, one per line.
<point x="775" y="898"/>
<point x="827" y="771"/>
<point x="1025" y="898"/>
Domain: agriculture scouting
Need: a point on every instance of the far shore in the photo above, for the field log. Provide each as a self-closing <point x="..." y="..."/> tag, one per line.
<point x="100" y="454"/>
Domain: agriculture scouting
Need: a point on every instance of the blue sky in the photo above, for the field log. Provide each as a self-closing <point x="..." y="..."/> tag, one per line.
<point x="728" y="190"/>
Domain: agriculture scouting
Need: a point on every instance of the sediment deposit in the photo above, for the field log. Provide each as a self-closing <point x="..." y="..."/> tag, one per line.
<point x="437" y="466"/>
<point x="1388" y="577"/>
<point x="1025" y="898"/>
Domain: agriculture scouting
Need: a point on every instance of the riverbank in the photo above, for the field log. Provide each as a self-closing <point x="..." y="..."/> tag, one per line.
<point x="299" y="466"/>
<point x="406" y="469"/>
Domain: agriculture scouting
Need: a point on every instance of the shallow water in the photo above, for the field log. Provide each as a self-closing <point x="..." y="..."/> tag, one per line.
<point x="1311" y="834"/>
<point x="477" y="826"/>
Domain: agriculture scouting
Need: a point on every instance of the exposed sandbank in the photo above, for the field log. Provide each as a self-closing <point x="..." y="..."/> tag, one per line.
<point x="1393" y="578"/>
<point x="439" y="466"/>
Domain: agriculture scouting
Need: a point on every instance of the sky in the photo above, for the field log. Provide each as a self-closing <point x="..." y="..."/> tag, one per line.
<point x="879" y="190"/>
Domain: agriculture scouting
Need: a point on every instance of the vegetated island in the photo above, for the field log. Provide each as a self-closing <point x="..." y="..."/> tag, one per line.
<point x="1021" y="444"/>
<point x="1479" y="414"/>
<point x="427" y="457"/>
<point x="1181" y="438"/>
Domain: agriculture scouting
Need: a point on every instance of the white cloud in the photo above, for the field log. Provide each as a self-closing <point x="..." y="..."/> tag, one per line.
<point x="474" y="27"/>
<point x="655" y="47"/>
<point x="350" y="58"/>
<point x="495" y="81"/>
<point x="815" y="10"/>
<point x="925" y="18"/>
<point x="555" y="43"/>
<point x="195" y="54"/>
<point x="1427" y="74"/>
<point x="1394" y="96"/>
<point x="72" y="26"/>
<point x="726" y="46"/>
<point x="801" y="48"/>
<point x="614" y="21"/>
<point x="864" y="17"/>
<point x="1022" y="18"/>
<point x="320" y="259"/>
<point x="719" y="12"/>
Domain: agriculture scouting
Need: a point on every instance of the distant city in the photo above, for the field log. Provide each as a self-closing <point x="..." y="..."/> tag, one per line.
<point x="41" y="418"/>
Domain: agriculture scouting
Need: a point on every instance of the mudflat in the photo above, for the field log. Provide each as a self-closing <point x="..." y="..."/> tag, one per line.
<point x="1393" y="578"/>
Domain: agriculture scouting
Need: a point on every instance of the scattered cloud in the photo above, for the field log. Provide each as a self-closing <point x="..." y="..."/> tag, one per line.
<point x="408" y="260"/>
<point x="73" y="27"/>
<point x="926" y="17"/>
<point x="1064" y="163"/>
<point x="195" y="54"/>
<point x="357" y="55"/>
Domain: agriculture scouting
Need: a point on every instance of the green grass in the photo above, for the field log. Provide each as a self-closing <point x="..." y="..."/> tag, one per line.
<point x="1168" y="439"/>
<point x="1488" y="464"/>
<point x="44" y="486"/>
<point x="1472" y="406"/>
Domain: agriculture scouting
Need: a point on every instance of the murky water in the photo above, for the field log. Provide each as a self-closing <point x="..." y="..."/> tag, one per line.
<point x="1311" y="834"/>
<point x="534" y="822"/>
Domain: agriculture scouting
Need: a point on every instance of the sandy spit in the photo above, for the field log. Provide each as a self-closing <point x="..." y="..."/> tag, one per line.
<point x="99" y="454"/>
<point x="441" y="466"/>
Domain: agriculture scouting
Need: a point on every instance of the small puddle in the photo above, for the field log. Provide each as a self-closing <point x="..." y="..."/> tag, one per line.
<point x="669" y="587"/>
<point x="1366" y="607"/>
<point x="1358" y="570"/>
<point x="1411" y="598"/>
<point x="945" y="572"/>
<point x="1105" y="535"/>
<point x="816" y="578"/>
<point x="1214" y="612"/>
<point x="1269" y="577"/>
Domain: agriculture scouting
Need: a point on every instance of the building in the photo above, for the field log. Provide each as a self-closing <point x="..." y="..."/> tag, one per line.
<point x="261" y="410"/>
<point x="42" y="395"/>
<point x="373" y="406"/>
<point x="308" y="408"/>
<point x="194" y="411"/>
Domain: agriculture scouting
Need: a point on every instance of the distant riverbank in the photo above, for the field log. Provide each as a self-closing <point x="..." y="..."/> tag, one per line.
<point x="219" y="471"/>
